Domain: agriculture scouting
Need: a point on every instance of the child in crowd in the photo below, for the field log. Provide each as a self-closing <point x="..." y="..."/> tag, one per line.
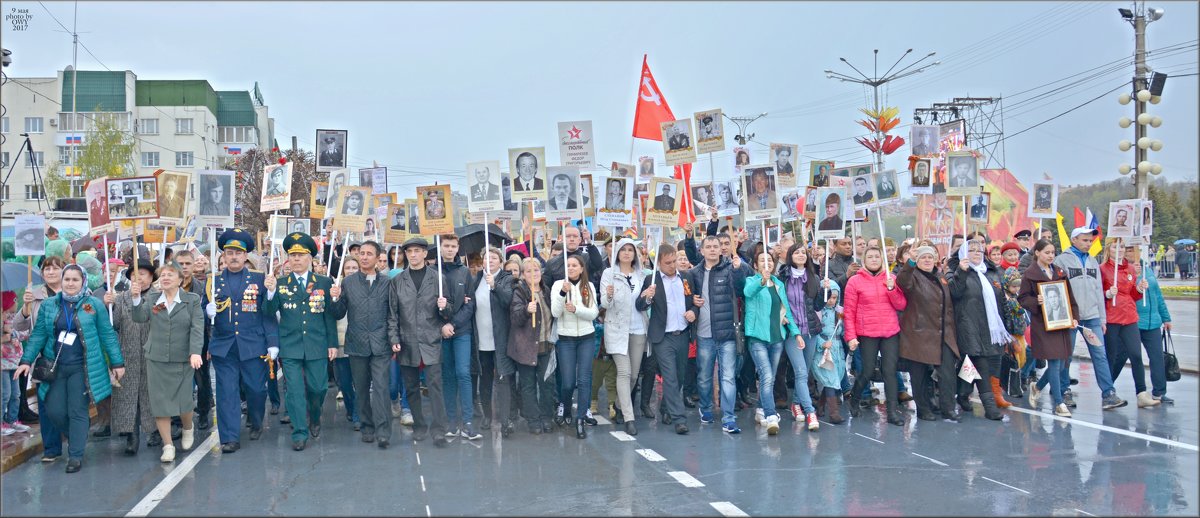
<point x="10" y="356"/>
<point x="831" y="358"/>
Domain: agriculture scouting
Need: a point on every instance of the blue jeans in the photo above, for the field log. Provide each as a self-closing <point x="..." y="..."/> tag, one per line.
<point x="574" y="355"/>
<point x="723" y="354"/>
<point x="1099" y="358"/>
<point x="766" y="360"/>
<point x="345" y="381"/>
<point x="10" y="402"/>
<point x="1053" y="377"/>
<point x="1152" y="340"/>
<point x="396" y="385"/>
<point x="456" y="378"/>
<point x="1030" y="363"/>
<point x="800" y="360"/>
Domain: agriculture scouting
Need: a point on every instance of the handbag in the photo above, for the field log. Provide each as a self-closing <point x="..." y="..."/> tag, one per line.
<point x="1169" y="359"/>
<point x="739" y="333"/>
<point x="1014" y="383"/>
<point x="44" y="370"/>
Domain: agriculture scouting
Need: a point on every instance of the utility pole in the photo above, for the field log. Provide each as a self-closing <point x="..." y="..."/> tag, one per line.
<point x="1139" y="17"/>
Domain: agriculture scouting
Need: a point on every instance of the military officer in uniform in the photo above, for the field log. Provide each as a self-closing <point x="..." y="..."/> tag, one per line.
<point x="243" y="335"/>
<point x="307" y="335"/>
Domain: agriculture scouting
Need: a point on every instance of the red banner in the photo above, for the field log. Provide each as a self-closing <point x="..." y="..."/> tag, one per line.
<point x="652" y="108"/>
<point x="1010" y="205"/>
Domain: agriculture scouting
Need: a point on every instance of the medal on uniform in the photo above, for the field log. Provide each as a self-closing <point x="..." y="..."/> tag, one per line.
<point x="250" y="299"/>
<point x="316" y="301"/>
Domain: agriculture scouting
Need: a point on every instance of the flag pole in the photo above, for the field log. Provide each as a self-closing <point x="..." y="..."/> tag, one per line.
<point x="883" y="247"/>
<point x="107" y="276"/>
<point x="486" y="230"/>
<point x="437" y="238"/>
<point x="826" y="283"/>
<point x="212" y="264"/>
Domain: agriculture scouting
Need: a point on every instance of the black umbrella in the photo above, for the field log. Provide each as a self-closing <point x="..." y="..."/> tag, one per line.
<point x="470" y="238"/>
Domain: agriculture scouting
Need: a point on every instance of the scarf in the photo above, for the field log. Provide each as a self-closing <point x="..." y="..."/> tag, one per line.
<point x="999" y="335"/>
<point x="83" y="291"/>
<point x="797" y="278"/>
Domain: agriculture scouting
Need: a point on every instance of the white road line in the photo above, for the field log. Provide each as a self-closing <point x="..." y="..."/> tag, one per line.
<point x="418" y="459"/>
<point x="173" y="478"/>
<point x="1104" y="428"/>
<point x="622" y="436"/>
<point x="684" y="478"/>
<point x="650" y="455"/>
<point x="601" y="420"/>
<point x="935" y="461"/>
<point x="1081" y="511"/>
<point x="1176" y="334"/>
<point x="422" y="483"/>
<point x="1005" y="485"/>
<point x="727" y="509"/>
<point x="427" y="513"/>
<point x="870" y="438"/>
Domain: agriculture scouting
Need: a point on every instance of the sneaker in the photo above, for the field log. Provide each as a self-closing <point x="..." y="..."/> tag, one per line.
<point x="813" y="425"/>
<point x="396" y="410"/>
<point x="406" y="418"/>
<point x="760" y="418"/>
<point x="1062" y="411"/>
<point x="469" y="433"/>
<point x="705" y="417"/>
<point x="1145" y="401"/>
<point x="797" y="412"/>
<point x="731" y="428"/>
<point x="1162" y="399"/>
<point x="1035" y="395"/>
<point x="339" y="396"/>
<point x="6" y="430"/>
<point x="453" y="432"/>
<point x="773" y="425"/>
<point x="22" y="427"/>
<point x="1069" y="399"/>
<point x="1111" y="401"/>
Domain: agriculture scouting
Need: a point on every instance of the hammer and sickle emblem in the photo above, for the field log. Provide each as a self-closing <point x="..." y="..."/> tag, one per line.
<point x="649" y="94"/>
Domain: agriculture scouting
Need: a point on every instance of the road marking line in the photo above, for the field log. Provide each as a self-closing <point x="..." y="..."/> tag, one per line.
<point x="418" y="459"/>
<point x="1081" y="511"/>
<point x="727" y="509"/>
<point x="870" y="438"/>
<point x="684" y="478"/>
<point x="1176" y="334"/>
<point x="601" y="420"/>
<point x="427" y="513"/>
<point x="651" y="455"/>
<point x="1105" y="428"/>
<point x="173" y="478"/>
<point x="622" y="436"/>
<point x="1005" y="485"/>
<point x="422" y="482"/>
<point x="935" y="461"/>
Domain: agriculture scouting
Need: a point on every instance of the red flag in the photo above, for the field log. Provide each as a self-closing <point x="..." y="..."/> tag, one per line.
<point x="686" y="215"/>
<point x="652" y="109"/>
<point x="1080" y="219"/>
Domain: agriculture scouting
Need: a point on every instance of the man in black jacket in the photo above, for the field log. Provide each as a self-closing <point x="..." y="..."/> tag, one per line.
<point x="591" y="255"/>
<point x="841" y="263"/>
<point x="493" y="294"/>
<point x="718" y="283"/>
<point x="363" y="298"/>
<point x="456" y="341"/>
<point x="668" y="296"/>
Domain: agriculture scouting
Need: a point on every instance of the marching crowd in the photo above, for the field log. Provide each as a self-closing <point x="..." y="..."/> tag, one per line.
<point x="786" y="330"/>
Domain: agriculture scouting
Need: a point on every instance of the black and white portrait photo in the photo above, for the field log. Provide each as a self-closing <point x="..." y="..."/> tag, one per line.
<point x="1043" y="200"/>
<point x="921" y="176"/>
<point x="664" y="203"/>
<point x="677" y="142"/>
<point x="783" y="157"/>
<point x="277" y="187"/>
<point x="563" y="192"/>
<point x="1055" y="305"/>
<point x="318" y="198"/>
<point x="924" y="140"/>
<point x="297" y="209"/>
<point x="980" y="207"/>
<point x="645" y="169"/>
<point x="863" y="195"/>
<point x="354" y="204"/>
<point x="399" y="218"/>
<point x="527" y="170"/>
<point x="483" y="186"/>
<point x="963" y="171"/>
<point x="299" y="225"/>
<point x="885" y="186"/>
<point x="703" y="199"/>
<point x="216" y="197"/>
<point x="331" y="145"/>
<point x="710" y="133"/>
<point x="665" y="198"/>
<point x="819" y="173"/>
<point x="830" y="211"/>
<point x="728" y="203"/>
<point x="615" y="195"/>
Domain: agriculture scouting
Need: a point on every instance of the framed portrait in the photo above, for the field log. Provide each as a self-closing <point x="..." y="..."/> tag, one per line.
<point x="351" y="209"/>
<point x="371" y="226"/>
<point x="981" y="208"/>
<point x="761" y="195"/>
<point x="564" y="196"/>
<point x="331" y="154"/>
<point x="783" y="156"/>
<point x="337" y="179"/>
<point x="728" y="200"/>
<point x="862" y="192"/>
<point x="963" y="173"/>
<point x="741" y="157"/>
<point x="677" y="142"/>
<point x="1123" y="220"/>
<point x="411" y="207"/>
<point x="396" y="229"/>
<point x="616" y="209"/>
<point x="1147" y="219"/>
<point x="382" y="200"/>
<point x="921" y="179"/>
<point x="704" y="200"/>
<point x="29" y="235"/>
<point x="278" y="227"/>
<point x="588" y="192"/>
<point x="810" y="203"/>
<point x="215" y="196"/>
<point x="667" y="199"/>
<point x="436" y="212"/>
<point x="527" y="171"/>
<point x="1056" y="305"/>
<point x="297" y="209"/>
<point x="299" y="225"/>
<point x="792" y="206"/>
<point x="887" y="189"/>
<point x="96" y="194"/>
<point x="831" y="213"/>
<point x="619" y="170"/>
<point x="137" y="198"/>
<point x="483" y="186"/>
<point x="923" y="140"/>
<point x="818" y="172"/>
<point x="276" y="187"/>
<point x="172" y="196"/>
<point x="772" y="234"/>
<point x="575" y="145"/>
<point x="264" y="243"/>
<point x="318" y="197"/>
<point x="645" y="169"/>
<point x="1043" y="200"/>
<point x="710" y="131"/>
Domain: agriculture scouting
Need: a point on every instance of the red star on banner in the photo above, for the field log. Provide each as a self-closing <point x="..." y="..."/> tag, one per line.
<point x="574" y="133"/>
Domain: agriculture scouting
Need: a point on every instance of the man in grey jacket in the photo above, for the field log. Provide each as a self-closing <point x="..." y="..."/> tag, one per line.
<point x="362" y="298"/>
<point x="1084" y="274"/>
<point x="414" y="330"/>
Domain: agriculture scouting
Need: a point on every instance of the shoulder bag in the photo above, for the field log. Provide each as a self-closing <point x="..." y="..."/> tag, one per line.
<point x="1169" y="359"/>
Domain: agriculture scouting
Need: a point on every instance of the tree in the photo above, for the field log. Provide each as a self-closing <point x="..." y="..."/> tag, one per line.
<point x="249" y="177"/>
<point x="109" y="152"/>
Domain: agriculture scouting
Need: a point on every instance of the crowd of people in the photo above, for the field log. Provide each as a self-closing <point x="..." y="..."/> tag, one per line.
<point x="786" y="330"/>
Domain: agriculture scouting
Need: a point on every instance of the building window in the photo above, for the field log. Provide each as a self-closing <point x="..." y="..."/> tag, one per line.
<point x="5" y="193"/>
<point x="34" y="192"/>
<point x="3" y="124"/>
<point x="183" y="126"/>
<point x="68" y="155"/>
<point x="147" y="126"/>
<point x="77" y="188"/>
<point x="150" y="159"/>
<point x="183" y="158"/>
<point x="238" y="134"/>
<point x="35" y="159"/>
<point x="33" y="125"/>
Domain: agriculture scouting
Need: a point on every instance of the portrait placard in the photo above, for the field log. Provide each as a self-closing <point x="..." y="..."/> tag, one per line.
<point x="963" y="170"/>
<point x="96" y="194"/>
<point x="29" y="235"/>
<point x="981" y="208"/>
<point x="564" y="194"/>
<point x="617" y="209"/>
<point x="887" y="189"/>
<point x="710" y="131"/>
<point x="761" y="198"/>
<point x="412" y="208"/>
<point x="1147" y="219"/>
<point x="728" y="202"/>
<point x="818" y="172"/>
<point x="382" y="200"/>
<point x="216" y="198"/>
<point x="318" y="197"/>
<point x="783" y="156"/>
<point x="1056" y="305"/>
<point x="484" y="186"/>
<point x="436" y="210"/>
<point x="299" y="225"/>
<point x="789" y="200"/>
<point x="677" y="142"/>
<point x="704" y="201"/>
<point x="810" y="203"/>
<point x="575" y="146"/>
<point x="331" y="154"/>
<point x="831" y="213"/>
<point x="136" y="198"/>
<point x="277" y="229"/>
<point x="396" y="231"/>
<point x="350" y="210"/>
<point x="337" y="179"/>
<point x="741" y="158"/>
<point x="589" y="195"/>
<point x="1123" y="219"/>
<point x="172" y="196"/>
<point x="1043" y="200"/>
<point x="645" y="169"/>
<point x="527" y="171"/>
<point x="862" y="192"/>
<point x="664" y="209"/>
<point x="923" y="140"/>
<point x="921" y="180"/>
<point x="276" y="187"/>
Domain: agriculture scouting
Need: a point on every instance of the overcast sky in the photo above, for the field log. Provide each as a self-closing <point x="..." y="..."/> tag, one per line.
<point x="425" y="88"/>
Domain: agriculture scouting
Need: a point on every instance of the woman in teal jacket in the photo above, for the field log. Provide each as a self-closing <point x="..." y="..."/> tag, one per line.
<point x="768" y="323"/>
<point x="74" y="334"/>
<point x="1153" y="317"/>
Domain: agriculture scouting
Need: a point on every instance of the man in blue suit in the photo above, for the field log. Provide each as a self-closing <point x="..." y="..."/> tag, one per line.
<point x="242" y="337"/>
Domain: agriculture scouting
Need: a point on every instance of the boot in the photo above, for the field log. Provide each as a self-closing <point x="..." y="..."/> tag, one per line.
<point x="833" y="415"/>
<point x="855" y="411"/>
<point x="1000" y="402"/>
<point x="820" y="406"/>
<point x="964" y="401"/>
<point x="990" y="410"/>
<point x="894" y="416"/>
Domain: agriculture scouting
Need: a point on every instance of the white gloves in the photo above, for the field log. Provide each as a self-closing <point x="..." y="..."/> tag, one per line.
<point x="273" y="353"/>
<point x="211" y="309"/>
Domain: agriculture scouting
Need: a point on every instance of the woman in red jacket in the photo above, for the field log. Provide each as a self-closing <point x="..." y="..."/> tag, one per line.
<point x="1124" y="284"/>
<point x="872" y="300"/>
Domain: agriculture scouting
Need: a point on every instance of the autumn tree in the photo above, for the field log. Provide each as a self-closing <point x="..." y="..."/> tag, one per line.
<point x="249" y="177"/>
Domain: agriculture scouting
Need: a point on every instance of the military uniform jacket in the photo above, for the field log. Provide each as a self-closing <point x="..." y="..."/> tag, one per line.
<point x="241" y="331"/>
<point x="307" y="325"/>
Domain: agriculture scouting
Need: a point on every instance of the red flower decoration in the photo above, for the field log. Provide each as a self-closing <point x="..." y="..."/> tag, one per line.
<point x="158" y="308"/>
<point x="282" y="160"/>
<point x="87" y="308"/>
<point x="274" y="150"/>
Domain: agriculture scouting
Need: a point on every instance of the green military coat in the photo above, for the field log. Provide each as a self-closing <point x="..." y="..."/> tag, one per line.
<point x="307" y="327"/>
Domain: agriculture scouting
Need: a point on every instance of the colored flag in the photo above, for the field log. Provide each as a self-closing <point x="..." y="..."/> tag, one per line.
<point x="234" y="150"/>
<point x="686" y="215"/>
<point x="1098" y="243"/>
<point x="1080" y="219"/>
<point x="652" y="109"/>
<point x="1064" y="240"/>
<point x="76" y="140"/>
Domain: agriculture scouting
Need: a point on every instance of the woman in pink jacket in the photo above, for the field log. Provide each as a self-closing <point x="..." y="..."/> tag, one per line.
<point x="872" y="300"/>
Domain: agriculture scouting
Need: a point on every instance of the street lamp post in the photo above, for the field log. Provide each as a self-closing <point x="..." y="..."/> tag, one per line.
<point x="1143" y="91"/>
<point x="906" y="227"/>
<point x="743" y="123"/>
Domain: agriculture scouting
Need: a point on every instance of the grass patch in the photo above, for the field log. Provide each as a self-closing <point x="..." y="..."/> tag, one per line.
<point x="1181" y="291"/>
